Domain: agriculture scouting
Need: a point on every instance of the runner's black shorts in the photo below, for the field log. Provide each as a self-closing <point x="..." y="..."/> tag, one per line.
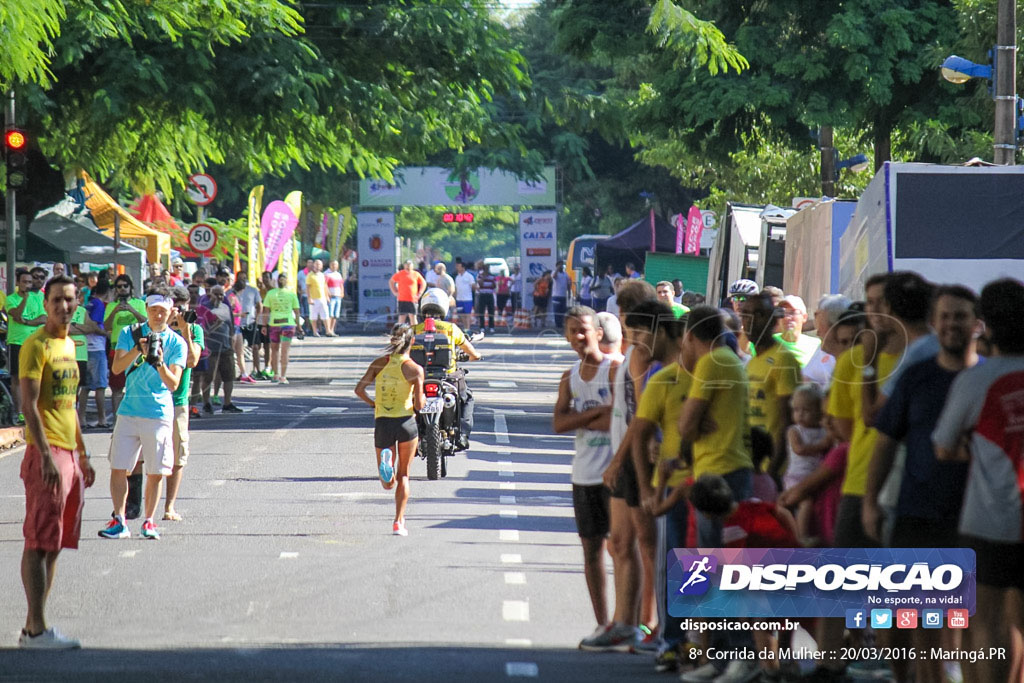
<point x="626" y="485"/>
<point x="999" y="565"/>
<point x="388" y="430"/>
<point x="407" y="308"/>
<point x="250" y="333"/>
<point x="590" y="505"/>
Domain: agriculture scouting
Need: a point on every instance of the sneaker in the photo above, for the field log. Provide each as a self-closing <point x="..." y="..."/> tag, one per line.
<point x="614" y="638"/>
<point x="208" y="409"/>
<point x="247" y="379"/>
<point x="649" y="642"/>
<point x="193" y="413"/>
<point x="149" y="531"/>
<point x="702" y="674"/>
<point x="667" y="661"/>
<point x="20" y="420"/>
<point x="739" y="671"/>
<point x="50" y="639"/>
<point x="398" y="529"/>
<point x="386" y="467"/>
<point x="115" y="529"/>
<point x="215" y="401"/>
<point x="231" y="408"/>
<point x="282" y="380"/>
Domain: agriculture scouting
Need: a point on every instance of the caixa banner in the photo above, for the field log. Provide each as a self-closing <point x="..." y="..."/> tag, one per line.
<point x="816" y="582"/>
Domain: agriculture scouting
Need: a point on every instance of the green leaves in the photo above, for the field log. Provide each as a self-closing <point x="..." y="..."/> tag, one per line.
<point x="697" y="42"/>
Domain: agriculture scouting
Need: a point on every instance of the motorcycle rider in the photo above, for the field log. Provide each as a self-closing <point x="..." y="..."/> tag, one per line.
<point x="434" y="306"/>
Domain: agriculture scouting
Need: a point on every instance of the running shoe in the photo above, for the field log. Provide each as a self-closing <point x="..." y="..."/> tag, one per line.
<point x="282" y="380"/>
<point x="193" y="413"/>
<point x="215" y="400"/>
<point x="246" y="379"/>
<point x="614" y="638"/>
<point x="115" y="529"/>
<point x="649" y="642"/>
<point x="231" y="408"/>
<point x="50" y="639"/>
<point x="20" y="420"/>
<point x="149" y="531"/>
<point x="208" y="409"/>
<point x="386" y="467"/>
<point x="398" y="529"/>
<point x="667" y="661"/>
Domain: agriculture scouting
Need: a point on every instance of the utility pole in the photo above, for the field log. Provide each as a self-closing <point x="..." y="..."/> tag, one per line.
<point x="12" y="220"/>
<point x="828" y="161"/>
<point x="1005" y="146"/>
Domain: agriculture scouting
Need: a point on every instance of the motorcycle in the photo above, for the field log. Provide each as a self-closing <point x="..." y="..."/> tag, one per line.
<point x="438" y="422"/>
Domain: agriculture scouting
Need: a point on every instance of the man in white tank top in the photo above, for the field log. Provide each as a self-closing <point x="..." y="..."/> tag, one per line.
<point x="584" y="407"/>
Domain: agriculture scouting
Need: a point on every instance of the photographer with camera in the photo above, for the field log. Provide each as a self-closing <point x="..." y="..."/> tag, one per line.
<point x="126" y="309"/>
<point x="152" y="358"/>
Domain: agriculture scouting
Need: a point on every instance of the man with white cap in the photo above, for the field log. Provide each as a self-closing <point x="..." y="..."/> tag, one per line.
<point x="176" y="277"/>
<point x="792" y="338"/>
<point x="146" y="413"/>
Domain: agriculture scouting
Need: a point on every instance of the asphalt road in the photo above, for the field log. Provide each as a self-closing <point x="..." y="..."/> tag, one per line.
<point x="285" y="567"/>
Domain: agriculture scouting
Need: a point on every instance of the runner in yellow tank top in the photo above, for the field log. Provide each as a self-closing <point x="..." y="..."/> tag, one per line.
<point x="398" y="393"/>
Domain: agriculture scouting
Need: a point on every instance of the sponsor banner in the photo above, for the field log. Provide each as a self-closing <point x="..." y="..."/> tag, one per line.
<point x="817" y="582"/>
<point x="278" y="225"/>
<point x="254" y="245"/>
<point x="375" y="244"/>
<point x="538" y="244"/>
<point x="290" y="254"/>
<point x="433" y="186"/>
<point x="694" y="228"/>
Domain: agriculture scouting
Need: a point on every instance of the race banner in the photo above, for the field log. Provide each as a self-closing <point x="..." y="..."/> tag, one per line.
<point x="694" y="229"/>
<point x="820" y="582"/>
<point x="375" y="242"/>
<point x="290" y="254"/>
<point x="342" y="231"/>
<point x="278" y="226"/>
<point x="538" y="248"/>
<point x="254" y="245"/>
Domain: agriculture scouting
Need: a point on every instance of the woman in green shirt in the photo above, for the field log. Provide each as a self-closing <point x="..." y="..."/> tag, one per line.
<point x="284" y="313"/>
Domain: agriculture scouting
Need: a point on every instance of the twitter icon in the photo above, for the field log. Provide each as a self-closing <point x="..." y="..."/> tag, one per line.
<point x="881" y="618"/>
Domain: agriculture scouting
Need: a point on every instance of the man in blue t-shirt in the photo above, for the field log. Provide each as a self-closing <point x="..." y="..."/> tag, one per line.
<point x="145" y="416"/>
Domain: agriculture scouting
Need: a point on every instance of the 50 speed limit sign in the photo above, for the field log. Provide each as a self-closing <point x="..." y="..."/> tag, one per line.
<point x="202" y="237"/>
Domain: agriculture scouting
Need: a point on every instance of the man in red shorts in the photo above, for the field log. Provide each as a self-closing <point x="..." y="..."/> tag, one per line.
<point x="55" y="480"/>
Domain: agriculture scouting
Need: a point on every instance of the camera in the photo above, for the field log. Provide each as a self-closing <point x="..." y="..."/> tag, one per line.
<point x="189" y="316"/>
<point x="154" y="347"/>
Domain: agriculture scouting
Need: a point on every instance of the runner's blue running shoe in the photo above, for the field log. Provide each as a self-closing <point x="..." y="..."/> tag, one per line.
<point x="387" y="470"/>
<point x="115" y="529"/>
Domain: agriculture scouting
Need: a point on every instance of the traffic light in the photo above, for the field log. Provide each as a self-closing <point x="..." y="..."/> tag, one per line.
<point x="16" y="153"/>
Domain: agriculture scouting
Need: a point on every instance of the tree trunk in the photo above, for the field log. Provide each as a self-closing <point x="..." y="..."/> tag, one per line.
<point x="828" y="161"/>
<point x="883" y="144"/>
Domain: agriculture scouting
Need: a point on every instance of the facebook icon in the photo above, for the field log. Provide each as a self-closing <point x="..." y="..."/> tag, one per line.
<point x="856" y="618"/>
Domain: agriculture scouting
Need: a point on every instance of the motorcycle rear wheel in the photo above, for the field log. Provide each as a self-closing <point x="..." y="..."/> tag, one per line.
<point x="432" y="450"/>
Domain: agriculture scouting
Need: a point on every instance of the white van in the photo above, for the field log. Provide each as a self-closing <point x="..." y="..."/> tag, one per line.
<point x="497" y="266"/>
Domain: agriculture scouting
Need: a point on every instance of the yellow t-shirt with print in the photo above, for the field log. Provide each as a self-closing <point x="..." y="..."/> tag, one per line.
<point x="844" y="401"/>
<point x="720" y="379"/>
<point x="773" y="374"/>
<point x="661" y="403"/>
<point x="51" y="360"/>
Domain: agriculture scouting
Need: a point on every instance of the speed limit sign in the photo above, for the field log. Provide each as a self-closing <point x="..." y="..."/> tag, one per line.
<point x="202" y="237"/>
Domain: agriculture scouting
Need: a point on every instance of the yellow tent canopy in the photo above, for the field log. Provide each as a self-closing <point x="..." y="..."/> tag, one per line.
<point x="103" y="207"/>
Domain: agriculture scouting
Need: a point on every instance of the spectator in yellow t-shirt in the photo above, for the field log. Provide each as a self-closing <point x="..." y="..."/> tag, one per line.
<point x="714" y="417"/>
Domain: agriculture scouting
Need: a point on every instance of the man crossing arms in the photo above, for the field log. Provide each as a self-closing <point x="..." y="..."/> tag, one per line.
<point x="55" y="480"/>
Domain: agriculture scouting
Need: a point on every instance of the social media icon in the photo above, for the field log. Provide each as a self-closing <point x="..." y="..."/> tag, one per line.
<point x="856" y="618"/>
<point x="906" y="618"/>
<point x="957" y="618"/>
<point x="931" y="618"/>
<point x="881" y="618"/>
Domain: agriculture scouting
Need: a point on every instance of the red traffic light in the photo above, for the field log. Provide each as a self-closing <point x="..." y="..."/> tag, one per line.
<point x="15" y="140"/>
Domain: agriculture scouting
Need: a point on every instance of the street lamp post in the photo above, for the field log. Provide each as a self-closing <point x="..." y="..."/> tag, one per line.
<point x="1005" y="146"/>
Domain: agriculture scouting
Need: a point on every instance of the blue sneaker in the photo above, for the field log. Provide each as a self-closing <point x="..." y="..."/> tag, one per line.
<point x="387" y="470"/>
<point x="149" y="531"/>
<point x="115" y="529"/>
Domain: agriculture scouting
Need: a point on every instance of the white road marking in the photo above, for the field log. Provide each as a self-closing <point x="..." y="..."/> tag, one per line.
<point x="507" y="500"/>
<point x="506" y="473"/>
<point x="515" y="610"/>
<point x="507" y="486"/>
<point x="286" y="430"/>
<point x="501" y="384"/>
<point x="359" y="495"/>
<point x="507" y="464"/>
<point x="328" y="410"/>
<point x="128" y="553"/>
<point x="515" y="578"/>
<point x="508" y="535"/>
<point x="522" y="669"/>
<point x="217" y="482"/>
<point x="519" y="642"/>
<point x="288" y="556"/>
<point x="338" y="382"/>
<point x="248" y="409"/>
<point x="500" y="428"/>
<point x="511" y="558"/>
<point x="508" y="514"/>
